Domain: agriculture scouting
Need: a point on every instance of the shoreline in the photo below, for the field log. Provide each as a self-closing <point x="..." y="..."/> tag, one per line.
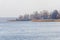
<point x="40" y="20"/>
<point x="47" y="20"/>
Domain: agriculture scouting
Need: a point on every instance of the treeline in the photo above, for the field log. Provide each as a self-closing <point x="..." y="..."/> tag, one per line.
<point x="42" y="15"/>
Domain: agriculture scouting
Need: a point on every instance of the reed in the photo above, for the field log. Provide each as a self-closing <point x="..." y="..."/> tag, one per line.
<point x="47" y="20"/>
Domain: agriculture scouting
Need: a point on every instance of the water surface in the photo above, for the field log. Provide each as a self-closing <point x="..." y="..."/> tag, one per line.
<point x="27" y="30"/>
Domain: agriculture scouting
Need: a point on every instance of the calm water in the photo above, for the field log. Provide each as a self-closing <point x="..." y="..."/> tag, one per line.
<point x="29" y="30"/>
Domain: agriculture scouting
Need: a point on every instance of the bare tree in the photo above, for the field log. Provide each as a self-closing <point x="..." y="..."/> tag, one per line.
<point x="45" y="14"/>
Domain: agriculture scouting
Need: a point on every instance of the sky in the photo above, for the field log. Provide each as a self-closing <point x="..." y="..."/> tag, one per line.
<point x="14" y="8"/>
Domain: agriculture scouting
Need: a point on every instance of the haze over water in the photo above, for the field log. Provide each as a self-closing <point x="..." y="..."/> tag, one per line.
<point x="14" y="8"/>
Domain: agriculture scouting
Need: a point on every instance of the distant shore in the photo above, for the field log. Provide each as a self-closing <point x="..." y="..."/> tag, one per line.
<point x="41" y="20"/>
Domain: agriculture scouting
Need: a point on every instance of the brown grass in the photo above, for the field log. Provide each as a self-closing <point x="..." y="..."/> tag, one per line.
<point x="47" y="20"/>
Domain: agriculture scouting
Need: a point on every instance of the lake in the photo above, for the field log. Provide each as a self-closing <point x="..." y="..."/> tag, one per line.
<point x="27" y="30"/>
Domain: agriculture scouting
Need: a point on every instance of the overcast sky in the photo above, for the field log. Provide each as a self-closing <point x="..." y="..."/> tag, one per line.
<point x="12" y="8"/>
